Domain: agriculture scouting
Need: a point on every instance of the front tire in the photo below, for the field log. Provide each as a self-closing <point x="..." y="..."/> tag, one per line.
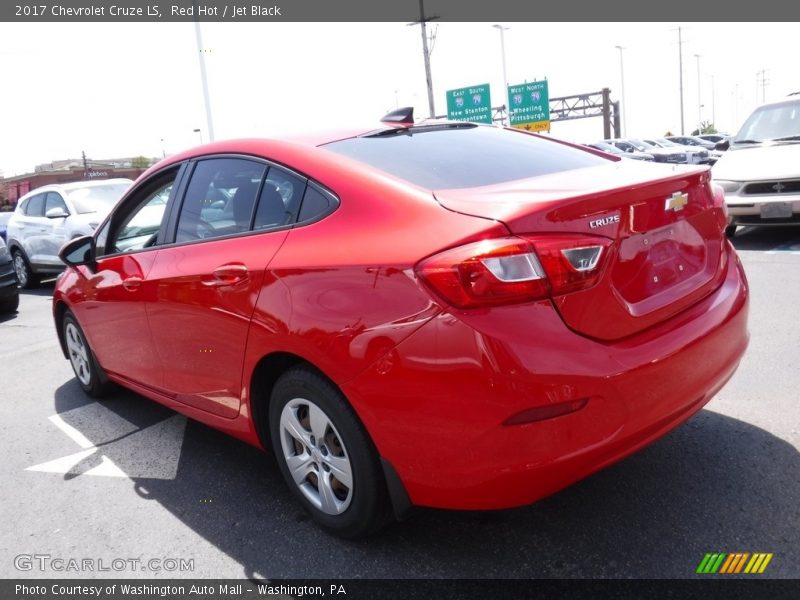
<point x="9" y="305"/>
<point x="25" y="276"/>
<point x="326" y="456"/>
<point x="87" y="371"/>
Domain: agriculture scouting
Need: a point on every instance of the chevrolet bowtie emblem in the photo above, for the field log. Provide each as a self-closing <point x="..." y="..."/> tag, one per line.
<point x="677" y="201"/>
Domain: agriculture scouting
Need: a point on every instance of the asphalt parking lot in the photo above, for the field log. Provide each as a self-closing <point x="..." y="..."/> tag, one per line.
<point x="127" y="480"/>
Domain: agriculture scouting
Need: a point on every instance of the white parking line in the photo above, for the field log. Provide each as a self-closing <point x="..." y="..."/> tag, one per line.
<point x="72" y="433"/>
<point x="122" y="449"/>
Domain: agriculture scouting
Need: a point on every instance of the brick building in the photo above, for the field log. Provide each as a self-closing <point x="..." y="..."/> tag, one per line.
<point x="66" y="171"/>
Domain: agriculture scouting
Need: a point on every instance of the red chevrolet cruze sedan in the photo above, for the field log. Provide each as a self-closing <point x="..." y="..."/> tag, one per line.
<point x="436" y="314"/>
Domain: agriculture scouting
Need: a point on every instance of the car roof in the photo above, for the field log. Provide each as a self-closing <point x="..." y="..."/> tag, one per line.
<point x="74" y="185"/>
<point x="785" y="102"/>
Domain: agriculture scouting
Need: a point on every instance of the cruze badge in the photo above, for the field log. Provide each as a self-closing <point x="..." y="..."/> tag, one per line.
<point x="604" y="221"/>
<point x="677" y="201"/>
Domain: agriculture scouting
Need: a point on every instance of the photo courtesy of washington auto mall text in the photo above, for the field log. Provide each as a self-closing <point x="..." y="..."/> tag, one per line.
<point x="200" y="590"/>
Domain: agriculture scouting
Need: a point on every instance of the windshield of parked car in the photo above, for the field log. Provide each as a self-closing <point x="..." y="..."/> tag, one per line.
<point x="605" y="147"/>
<point x="462" y="155"/>
<point x="98" y="198"/>
<point x="770" y="123"/>
<point x="664" y="142"/>
<point x="640" y="145"/>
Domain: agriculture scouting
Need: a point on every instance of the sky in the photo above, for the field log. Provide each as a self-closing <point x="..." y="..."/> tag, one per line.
<point x="128" y="89"/>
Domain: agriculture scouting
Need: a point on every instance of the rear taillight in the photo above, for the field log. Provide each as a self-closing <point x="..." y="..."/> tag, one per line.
<point x="572" y="262"/>
<point x="512" y="270"/>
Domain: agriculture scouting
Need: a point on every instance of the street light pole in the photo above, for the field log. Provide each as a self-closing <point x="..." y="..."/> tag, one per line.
<point x="622" y="85"/>
<point x="699" y="98"/>
<point x="203" y="76"/>
<point x="199" y="131"/>
<point x="713" y="103"/>
<point x="680" y="73"/>
<point x="505" y="78"/>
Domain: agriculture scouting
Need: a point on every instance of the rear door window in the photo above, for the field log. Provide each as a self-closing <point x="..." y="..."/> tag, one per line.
<point x="35" y="206"/>
<point x="280" y="199"/>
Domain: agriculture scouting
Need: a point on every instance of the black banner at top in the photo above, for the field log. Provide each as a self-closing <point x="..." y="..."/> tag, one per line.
<point x="396" y="11"/>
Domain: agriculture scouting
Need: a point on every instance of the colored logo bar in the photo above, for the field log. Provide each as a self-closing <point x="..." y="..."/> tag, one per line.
<point x="733" y="563"/>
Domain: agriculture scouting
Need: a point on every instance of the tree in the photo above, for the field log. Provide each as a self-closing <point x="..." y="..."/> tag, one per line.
<point x="141" y="162"/>
<point x="705" y="127"/>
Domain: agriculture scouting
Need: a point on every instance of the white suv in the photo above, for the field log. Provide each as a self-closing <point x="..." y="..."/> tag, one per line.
<point x="48" y="217"/>
<point x="760" y="172"/>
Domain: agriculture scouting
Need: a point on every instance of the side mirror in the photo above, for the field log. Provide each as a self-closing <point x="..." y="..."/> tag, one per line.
<point x="723" y="145"/>
<point x="56" y="213"/>
<point x="79" y="251"/>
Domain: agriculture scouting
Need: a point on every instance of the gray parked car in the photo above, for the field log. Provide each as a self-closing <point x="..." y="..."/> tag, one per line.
<point x="9" y="294"/>
<point x="48" y="217"/>
<point x="612" y="149"/>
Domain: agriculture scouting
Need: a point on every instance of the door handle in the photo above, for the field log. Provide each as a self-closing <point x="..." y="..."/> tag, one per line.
<point x="226" y="275"/>
<point x="132" y="283"/>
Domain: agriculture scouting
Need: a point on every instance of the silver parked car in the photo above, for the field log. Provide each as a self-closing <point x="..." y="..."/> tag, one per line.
<point x="760" y="172"/>
<point x="48" y="217"/>
<point x="695" y="155"/>
<point x="612" y="149"/>
<point x="658" y="154"/>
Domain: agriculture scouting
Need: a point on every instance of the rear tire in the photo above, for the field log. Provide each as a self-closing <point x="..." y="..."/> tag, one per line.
<point x="87" y="370"/>
<point x="325" y="455"/>
<point x="25" y="276"/>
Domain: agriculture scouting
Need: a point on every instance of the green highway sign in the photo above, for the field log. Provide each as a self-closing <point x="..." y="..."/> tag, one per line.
<point x="470" y="104"/>
<point x="529" y="106"/>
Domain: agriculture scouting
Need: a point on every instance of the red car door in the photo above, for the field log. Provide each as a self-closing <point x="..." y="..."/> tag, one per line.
<point x="205" y="286"/>
<point x="112" y="310"/>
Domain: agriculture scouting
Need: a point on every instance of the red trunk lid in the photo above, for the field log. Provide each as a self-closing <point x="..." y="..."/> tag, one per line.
<point x="667" y="232"/>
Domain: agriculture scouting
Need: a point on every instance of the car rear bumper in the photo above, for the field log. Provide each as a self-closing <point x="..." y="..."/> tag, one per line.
<point x="437" y="413"/>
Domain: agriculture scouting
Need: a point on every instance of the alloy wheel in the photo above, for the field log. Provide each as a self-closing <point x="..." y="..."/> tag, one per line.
<point x="316" y="456"/>
<point x="78" y="354"/>
<point x="21" y="268"/>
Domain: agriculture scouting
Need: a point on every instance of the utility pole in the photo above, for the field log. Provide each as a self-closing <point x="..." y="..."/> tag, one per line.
<point x="622" y="86"/>
<point x="426" y="54"/>
<point x="680" y="70"/>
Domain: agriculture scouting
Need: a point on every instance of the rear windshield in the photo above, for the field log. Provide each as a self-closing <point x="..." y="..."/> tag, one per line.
<point x="100" y="198"/>
<point x="448" y="157"/>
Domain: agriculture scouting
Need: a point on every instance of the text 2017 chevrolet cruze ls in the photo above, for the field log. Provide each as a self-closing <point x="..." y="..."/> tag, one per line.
<point x="434" y="314"/>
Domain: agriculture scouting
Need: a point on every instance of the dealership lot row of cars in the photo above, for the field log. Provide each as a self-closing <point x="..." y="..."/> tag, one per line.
<point x="758" y="168"/>
<point x="229" y="284"/>
<point x="691" y="150"/>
